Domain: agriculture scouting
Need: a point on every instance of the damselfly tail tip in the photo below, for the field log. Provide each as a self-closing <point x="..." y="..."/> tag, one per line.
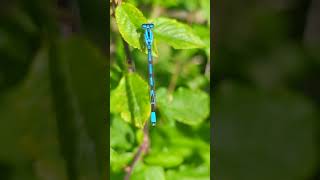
<point x="153" y="118"/>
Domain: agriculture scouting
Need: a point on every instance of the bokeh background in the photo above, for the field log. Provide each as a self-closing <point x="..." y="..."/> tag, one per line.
<point x="266" y="90"/>
<point x="53" y="90"/>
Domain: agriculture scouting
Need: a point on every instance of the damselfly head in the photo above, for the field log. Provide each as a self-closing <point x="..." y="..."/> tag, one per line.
<point x="147" y="26"/>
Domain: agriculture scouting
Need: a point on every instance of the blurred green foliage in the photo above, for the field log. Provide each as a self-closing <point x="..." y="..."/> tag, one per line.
<point x="266" y="100"/>
<point x="180" y="142"/>
<point x="53" y="86"/>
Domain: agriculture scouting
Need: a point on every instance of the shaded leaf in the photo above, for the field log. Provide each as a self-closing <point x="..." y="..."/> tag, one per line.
<point x="121" y="134"/>
<point x="79" y="84"/>
<point x="272" y="133"/>
<point x="28" y="129"/>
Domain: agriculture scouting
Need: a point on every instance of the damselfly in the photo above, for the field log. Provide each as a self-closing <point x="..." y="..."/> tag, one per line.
<point x="148" y="38"/>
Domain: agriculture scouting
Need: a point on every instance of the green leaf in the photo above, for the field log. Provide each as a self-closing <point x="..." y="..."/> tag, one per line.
<point x="176" y="34"/>
<point x="131" y="100"/>
<point x="149" y="173"/>
<point x="122" y="134"/>
<point x="119" y="160"/>
<point x="139" y="136"/>
<point x="189" y="173"/>
<point x="129" y="20"/>
<point x="165" y="159"/>
<point x="179" y="141"/>
<point x="198" y="82"/>
<point x="187" y="106"/>
<point x="166" y="3"/>
<point x="204" y="33"/>
<point x="205" y="10"/>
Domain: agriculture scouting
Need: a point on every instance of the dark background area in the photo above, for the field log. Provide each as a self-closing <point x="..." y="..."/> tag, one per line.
<point x="53" y="89"/>
<point x="266" y="90"/>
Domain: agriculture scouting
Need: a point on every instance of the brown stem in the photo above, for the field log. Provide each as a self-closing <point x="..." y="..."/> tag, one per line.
<point x="130" y="62"/>
<point x="142" y="149"/>
<point x="174" y="78"/>
<point x="145" y="144"/>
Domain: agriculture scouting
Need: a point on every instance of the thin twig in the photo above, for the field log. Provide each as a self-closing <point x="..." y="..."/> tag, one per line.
<point x="142" y="149"/>
<point x="174" y="79"/>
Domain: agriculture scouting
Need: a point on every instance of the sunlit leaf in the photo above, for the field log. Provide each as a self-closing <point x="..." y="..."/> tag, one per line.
<point x="204" y="33"/>
<point x="187" y="106"/>
<point x="165" y="159"/>
<point x="149" y="173"/>
<point x="189" y="173"/>
<point x="131" y="100"/>
<point x="129" y="20"/>
<point x="176" y="34"/>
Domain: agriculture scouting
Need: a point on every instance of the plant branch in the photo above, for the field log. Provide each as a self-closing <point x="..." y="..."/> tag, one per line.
<point x="131" y="68"/>
<point x="174" y="79"/>
<point x="130" y="62"/>
<point x="142" y="149"/>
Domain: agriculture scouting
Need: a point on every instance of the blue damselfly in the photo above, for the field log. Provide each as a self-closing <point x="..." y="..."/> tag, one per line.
<point x="148" y="38"/>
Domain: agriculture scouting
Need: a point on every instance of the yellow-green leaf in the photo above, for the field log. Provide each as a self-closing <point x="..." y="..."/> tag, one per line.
<point x="131" y="100"/>
<point x="129" y="20"/>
